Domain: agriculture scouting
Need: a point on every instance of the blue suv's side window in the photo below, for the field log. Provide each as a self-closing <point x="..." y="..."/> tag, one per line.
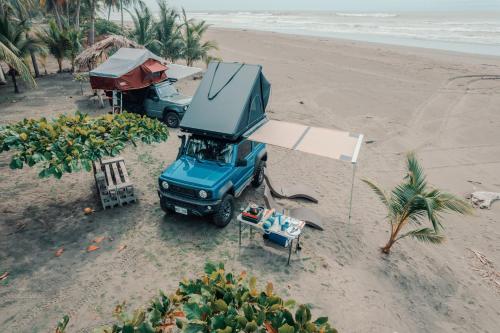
<point x="244" y="149"/>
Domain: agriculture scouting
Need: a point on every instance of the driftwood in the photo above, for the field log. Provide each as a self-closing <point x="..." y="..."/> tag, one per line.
<point x="309" y="216"/>
<point x="483" y="199"/>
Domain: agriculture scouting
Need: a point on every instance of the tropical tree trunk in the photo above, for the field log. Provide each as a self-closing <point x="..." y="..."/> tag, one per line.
<point x="12" y="73"/>
<point x="58" y="17"/>
<point x="121" y="13"/>
<point x="2" y="76"/>
<point x="59" y="63"/>
<point x="35" y="64"/>
<point x="92" y="22"/>
<point x="67" y="12"/>
<point x="109" y="12"/>
<point x="387" y="248"/>
<point x="77" y="15"/>
<point x="395" y="229"/>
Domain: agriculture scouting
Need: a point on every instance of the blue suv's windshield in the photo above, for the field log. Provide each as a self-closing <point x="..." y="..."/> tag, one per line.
<point x="167" y="90"/>
<point x="210" y="150"/>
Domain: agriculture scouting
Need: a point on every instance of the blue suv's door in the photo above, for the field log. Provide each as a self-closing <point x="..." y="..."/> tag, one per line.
<point x="153" y="104"/>
<point x="243" y="173"/>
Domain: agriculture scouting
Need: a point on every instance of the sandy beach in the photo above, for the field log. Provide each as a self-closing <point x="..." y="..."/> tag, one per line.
<point x="442" y="105"/>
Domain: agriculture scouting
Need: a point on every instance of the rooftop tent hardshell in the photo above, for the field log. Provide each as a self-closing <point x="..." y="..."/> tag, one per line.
<point x="128" y="69"/>
<point x="230" y="100"/>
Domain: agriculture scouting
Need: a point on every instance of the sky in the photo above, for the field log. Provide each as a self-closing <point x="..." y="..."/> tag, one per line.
<point x="337" y="5"/>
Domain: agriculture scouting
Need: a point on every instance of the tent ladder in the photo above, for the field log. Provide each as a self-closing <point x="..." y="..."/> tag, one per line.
<point x="117" y="101"/>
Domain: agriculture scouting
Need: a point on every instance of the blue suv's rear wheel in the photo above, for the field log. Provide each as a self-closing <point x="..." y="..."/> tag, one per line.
<point x="171" y="119"/>
<point x="258" y="175"/>
<point x="224" y="212"/>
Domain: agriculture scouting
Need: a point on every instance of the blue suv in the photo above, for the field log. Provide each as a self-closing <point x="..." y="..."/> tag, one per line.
<point x="209" y="174"/>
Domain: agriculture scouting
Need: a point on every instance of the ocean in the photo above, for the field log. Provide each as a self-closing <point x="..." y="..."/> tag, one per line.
<point x="470" y="32"/>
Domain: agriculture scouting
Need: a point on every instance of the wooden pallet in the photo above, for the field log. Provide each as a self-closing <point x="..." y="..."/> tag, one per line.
<point x="113" y="183"/>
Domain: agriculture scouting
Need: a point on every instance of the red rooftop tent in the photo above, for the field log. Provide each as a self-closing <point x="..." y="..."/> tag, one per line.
<point x="128" y="69"/>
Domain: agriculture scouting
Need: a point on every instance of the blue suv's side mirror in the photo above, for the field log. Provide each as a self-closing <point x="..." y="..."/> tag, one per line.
<point x="241" y="162"/>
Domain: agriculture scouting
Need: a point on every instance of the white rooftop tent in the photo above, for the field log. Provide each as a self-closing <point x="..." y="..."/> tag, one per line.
<point x="325" y="142"/>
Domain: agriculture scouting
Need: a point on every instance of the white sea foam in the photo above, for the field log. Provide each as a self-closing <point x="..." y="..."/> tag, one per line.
<point x="470" y="32"/>
<point x="366" y="14"/>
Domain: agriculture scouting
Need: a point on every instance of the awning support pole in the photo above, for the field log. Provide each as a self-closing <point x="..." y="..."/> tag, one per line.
<point x="352" y="189"/>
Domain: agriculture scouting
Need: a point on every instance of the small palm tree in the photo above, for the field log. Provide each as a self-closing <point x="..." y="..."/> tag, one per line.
<point x="168" y="32"/>
<point x="57" y="42"/>
<point x="74" y="42"/>
<point x="144" y="27"/>
<point x="193" y="49"/>
<point x="413" y="201"/>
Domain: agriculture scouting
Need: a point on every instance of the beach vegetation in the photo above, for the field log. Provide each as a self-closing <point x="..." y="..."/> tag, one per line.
<point x="144" y="30"/>
<point x="103" y="27"/>
<point x="413" y="202"/>
<point x="219" y="301"/>
<point x="17" y="41"/>
<point x="57" y="41"/>
<point x="168" y="32"/>
<point x="193" y="46"/>
<point x="70" y="143"/>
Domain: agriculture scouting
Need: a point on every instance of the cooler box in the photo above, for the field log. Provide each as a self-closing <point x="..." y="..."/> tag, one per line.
<point x="278" y="239"/>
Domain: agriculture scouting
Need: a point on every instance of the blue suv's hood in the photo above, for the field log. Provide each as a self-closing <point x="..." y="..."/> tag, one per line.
<point x="196" y="174"/>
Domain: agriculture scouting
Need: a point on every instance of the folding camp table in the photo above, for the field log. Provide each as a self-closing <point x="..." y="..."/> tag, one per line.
<point x="258" y="227"/>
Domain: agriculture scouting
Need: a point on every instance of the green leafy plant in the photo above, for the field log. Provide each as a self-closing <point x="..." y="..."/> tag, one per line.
<point x="413" y="201"/>
<point x="71" y="143"/>
<point x="61" y="325"/>
<point x="220" y="302"/>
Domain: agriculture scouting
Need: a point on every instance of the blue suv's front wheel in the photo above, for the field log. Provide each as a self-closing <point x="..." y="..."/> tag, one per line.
<point x="224" y="212"/>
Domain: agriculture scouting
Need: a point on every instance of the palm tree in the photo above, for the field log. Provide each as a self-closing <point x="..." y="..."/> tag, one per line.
<point x="110" y="4"/>
<point x="144" y="27"/>
<point x="413" y="201"/>
<point x="57" y="42"/>
<point x="193" y="48"/>
<point x="16" y="45"/>
<point x="78" y="6"/>
<point x="168" y="32"/>
<point x="93" y="7"/>
<point x="74" y="37"/>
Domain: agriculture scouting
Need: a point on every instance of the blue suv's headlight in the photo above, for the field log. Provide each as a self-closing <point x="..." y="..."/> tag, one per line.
<point x="164" y="185"/>
<point x="203" y="194"/>
<point x="185" y="107"/>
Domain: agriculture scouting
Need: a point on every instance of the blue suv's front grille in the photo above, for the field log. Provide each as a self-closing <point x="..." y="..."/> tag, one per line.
<point x="188" y="192"/>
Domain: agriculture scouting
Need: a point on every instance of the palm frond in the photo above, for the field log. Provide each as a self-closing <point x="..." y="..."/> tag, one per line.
<point x="17" y="63"/>
<point x="416" y="176"/>
<point x="426" y="235"/>
<point x="378" y="191"/>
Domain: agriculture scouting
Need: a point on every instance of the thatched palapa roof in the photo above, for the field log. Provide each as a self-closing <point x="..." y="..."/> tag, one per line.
<point x="97" y="53"/>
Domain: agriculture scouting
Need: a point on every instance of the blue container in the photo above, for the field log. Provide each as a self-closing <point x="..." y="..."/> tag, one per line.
<point x="278" y="239"/>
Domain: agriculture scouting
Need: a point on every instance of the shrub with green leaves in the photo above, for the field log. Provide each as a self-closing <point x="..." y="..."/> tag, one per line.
<point x="220" y="302"/>
<point x="70" y="143"/>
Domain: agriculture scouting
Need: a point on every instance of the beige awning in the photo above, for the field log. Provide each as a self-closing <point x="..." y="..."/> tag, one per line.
<point x="326" y="142"/>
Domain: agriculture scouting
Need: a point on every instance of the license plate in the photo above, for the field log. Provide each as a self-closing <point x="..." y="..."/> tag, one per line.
<point x="181" y="210"/>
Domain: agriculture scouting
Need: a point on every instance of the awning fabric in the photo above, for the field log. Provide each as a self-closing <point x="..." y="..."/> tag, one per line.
<point x="325" y="142"/>
<point x="154" y="67"/>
